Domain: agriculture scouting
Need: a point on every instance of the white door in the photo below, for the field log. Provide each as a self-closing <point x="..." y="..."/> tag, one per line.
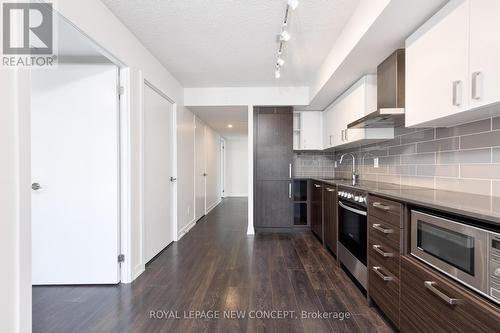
<point x="200" y="169"/>
<point x="484" y="52"/>
<point x="74" y="142"/>
<point x="158" y="157"/>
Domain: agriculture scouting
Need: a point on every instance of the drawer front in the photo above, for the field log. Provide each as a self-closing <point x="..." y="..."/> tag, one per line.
<point x="386" y="210"/>
<point x="385" y="232"/>
<point x="383" y="288"/>
<point x="425" y="303"/>
<point x="387" y="255"/>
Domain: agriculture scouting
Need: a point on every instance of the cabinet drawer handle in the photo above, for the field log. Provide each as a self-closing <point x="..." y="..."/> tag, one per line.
<point x="379" y="250"/>
<point x="457" y="93"/>
<point x="476" y="93"/>
<point x="430" y="285"/>
<point x="382" y="229"/>
<point x="330" y="189"/>
<point x="290" y="190"/>
<point x="381" y="206"/>
<point x="377" y="269"/>
<point x="317" y="186"/>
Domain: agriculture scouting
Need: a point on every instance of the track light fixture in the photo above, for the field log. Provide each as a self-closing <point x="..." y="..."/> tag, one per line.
<point x="284" y="37"/>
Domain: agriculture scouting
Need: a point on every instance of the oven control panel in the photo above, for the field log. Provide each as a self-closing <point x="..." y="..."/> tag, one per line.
<point x="352" y="195"/>
<point x="494" y="261"/>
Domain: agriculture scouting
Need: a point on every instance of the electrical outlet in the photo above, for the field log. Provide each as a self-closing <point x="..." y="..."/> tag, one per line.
<point x="375" y="162"/>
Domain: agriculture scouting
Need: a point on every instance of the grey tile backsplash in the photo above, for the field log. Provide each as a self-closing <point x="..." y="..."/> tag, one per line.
<point x="464" y="158"/>
<point x="314" y="164"/>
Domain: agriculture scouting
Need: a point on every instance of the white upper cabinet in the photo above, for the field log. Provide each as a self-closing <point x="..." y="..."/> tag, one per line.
<point x="436" y="66"/>
<point x="358" y="101"/>
<point x="308" y="130"/>
<point x="484" y="52"/>
<point x="452" y="65"/>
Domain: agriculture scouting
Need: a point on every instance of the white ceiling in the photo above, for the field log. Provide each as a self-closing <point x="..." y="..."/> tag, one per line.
<point x="230" y="43"/>
<point x="218" y="117"/>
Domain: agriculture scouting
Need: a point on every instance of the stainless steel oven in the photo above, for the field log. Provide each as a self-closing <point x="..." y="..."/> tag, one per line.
<point x="467" y="253"/>
<point x="352" y="231"/>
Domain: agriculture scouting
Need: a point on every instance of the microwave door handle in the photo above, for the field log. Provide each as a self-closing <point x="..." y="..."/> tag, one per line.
<point x="354" y="210"/>
<point x="430" y="285"/>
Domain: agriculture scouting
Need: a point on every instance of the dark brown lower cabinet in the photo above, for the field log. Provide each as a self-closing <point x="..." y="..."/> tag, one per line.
<point x="330" y="217"/>
<point x="426" y="298"/>
<point x="317" y="209"/>
<point x="275" y="204"/>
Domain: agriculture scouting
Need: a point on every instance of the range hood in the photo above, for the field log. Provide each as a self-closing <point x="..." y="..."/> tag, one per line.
<point x="390" y="111"/>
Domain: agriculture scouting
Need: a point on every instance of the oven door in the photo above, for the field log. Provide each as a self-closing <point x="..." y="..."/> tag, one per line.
<point x="457" y="249"/>
<point x="353" y="230"/>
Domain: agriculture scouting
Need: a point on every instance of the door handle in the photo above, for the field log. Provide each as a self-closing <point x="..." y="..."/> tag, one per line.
<point x="430" y="285"/>
<point x="476" y="93"/>
<point x="379" y="250"/>
<point x="205" y="174"/>
<point x="378" y="227"/>
<point x="317" y="186"/>
<point x="457" y="93"/>
<point x="35" y="186"/>
<point x="330" y="189"/>
<point x="290" y="190"/>
<point x="290" y="170"/>
<point x="377" y="269"/>
<point x="173" y="179"/>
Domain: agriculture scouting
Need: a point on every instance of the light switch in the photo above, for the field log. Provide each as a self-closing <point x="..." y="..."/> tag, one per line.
<point x="375" y="162"/>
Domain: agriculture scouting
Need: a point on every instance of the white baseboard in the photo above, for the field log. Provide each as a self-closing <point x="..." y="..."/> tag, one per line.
<point x="215" y="204"/>
<point x="185" y="229"/>
<point x="138" y="270"/>
<point x="237" y="195"/>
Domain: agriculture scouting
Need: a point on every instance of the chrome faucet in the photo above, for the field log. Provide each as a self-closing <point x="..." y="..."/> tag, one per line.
<point x="354" y="174"/>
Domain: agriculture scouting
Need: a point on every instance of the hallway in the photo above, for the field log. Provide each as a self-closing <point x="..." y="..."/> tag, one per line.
<point x="217" y="267"/>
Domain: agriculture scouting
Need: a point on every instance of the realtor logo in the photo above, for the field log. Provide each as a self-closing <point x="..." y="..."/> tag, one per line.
<point x="27" y="34"/>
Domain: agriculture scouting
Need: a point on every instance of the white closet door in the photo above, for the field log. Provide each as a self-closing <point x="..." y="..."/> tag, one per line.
<point x="200" y="169"/>
<point x="74" y="142"/>
<point x="158" y="157"/>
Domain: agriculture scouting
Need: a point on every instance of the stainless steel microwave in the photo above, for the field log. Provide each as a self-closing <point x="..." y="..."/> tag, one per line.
<point x="469" y="254"/>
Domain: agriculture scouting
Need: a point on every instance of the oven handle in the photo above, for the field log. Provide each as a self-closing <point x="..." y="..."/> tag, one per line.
<point x="354" y="210"/>
<point x="430" y="285"/>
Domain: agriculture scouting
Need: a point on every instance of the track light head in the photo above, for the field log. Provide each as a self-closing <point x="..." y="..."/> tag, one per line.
<point x="285" y="36"/>
<point x="293" y="3"/>
<point x="277" y="73"/>
<point x="280" y="61"/>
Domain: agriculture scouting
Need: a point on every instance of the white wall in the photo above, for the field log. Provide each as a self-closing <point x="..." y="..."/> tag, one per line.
<point x="246" y="96"/>
<point x="236" y="170"/>
<point x="15" y="196"/>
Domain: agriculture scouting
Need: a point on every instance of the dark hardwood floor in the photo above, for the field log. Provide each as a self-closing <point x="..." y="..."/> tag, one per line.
<point x="217" y="267"/>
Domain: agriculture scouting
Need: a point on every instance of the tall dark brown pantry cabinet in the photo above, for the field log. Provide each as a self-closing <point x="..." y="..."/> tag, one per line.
<point x="273" y="155"/>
